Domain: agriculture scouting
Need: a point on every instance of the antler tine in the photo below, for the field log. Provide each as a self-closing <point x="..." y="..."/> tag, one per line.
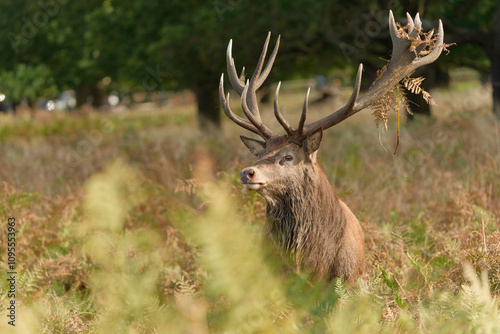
<point x="342" y="113"/>
<point x="265" y="73"/>
<point x="249" y="97"/>
<point x="259" y="75"/>
<point x="397" y="48"/>
<point x="237" y="84"/>
<point x="303" y="116"/>
<point x="242" y="74"/>
<point x="247" y="91"/>
<point x="260" y="63"/>
<point x="251" y="100"/>
<point x="279" y="116"/>
<point x="254" y="118"/>
<point x="246" y="110"/>
<point x="434" y="54"/>
<point x="418" y="23"/>
<point x="224" y="101"/>
<point x="414" y="32"/>
<point x="410" y="22"/>
<point x="356" y="88"/>
<point x="404" y="61"/>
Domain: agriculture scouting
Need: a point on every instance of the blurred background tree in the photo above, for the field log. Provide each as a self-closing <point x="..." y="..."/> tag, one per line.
<point x="27" y="82"/>
<point x="129" y="46"/>
<point x="474" y="26"/>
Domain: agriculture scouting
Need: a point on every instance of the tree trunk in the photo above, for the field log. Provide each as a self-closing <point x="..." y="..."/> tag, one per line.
<point x="15" y="105"/>
<point x="207" y="99"/>
<point x="32" y="108"/>
<point x="98" y="98"/>
<point x="82" y="93"/>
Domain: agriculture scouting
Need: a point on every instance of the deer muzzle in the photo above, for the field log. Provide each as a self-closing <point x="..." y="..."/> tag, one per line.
<point x="249" y="178"/>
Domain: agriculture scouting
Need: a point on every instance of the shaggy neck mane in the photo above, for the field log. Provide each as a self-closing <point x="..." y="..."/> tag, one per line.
<point x="305" y="218"/>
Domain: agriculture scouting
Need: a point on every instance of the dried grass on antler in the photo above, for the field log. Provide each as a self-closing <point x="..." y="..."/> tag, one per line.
<point x="395" y="99"/>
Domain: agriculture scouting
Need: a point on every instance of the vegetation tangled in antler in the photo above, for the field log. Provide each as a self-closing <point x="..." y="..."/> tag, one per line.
<point x="422" y="43"/>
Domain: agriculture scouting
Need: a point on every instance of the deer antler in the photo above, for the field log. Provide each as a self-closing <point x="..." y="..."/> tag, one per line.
<point x="405" y="59"/>
<point x="248" y="91"/>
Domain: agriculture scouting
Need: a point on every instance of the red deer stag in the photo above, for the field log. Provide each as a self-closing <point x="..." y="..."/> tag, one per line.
<point x="307" y="222"/>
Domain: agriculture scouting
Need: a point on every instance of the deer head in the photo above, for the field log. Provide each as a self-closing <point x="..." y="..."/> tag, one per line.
<point x="298" y="146"/>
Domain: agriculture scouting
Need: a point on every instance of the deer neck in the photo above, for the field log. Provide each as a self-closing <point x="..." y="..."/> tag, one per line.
<point x="308" y="209"/>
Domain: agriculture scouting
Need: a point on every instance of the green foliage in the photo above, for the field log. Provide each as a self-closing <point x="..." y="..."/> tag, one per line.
<point x="150" y="46"/>
<point x="28" y="81"/>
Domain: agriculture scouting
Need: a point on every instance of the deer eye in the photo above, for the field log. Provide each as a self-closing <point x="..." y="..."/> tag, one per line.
<point x="286" y="159"/>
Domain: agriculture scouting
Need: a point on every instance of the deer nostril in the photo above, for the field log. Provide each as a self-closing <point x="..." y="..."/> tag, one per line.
<point x="247" y="175"/>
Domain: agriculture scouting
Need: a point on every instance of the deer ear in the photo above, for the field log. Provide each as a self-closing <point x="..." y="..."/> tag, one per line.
<point x="312" y="142"/>
<point x="255" y="146"/>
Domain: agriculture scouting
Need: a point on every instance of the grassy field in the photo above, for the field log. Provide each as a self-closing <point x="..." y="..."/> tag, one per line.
<point x="135" y="223"/>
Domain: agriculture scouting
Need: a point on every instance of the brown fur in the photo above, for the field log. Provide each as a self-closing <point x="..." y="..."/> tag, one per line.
<point x="307" y="223"/>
